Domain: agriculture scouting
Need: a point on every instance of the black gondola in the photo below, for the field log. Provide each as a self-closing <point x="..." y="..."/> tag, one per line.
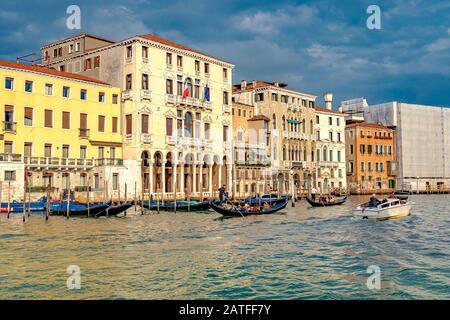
<point x="115" y="210"/>
<point x="81" y="211"/>
<point x="319" y="203"/>
<point x="215" y="205"/>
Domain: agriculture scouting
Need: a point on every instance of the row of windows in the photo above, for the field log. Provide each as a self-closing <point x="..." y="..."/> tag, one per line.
<point x="376" y="134"/>
<point x="8" y="148"/>
<point x="65" y="93"/>
<point x="330" y="121"/>
<point x="331" y="136"/>
<point x="57" y="52"/>
<point x="328" y="155"/>
<point x="185" y="126"/>
<point x="28" y="120"/>
<point x="242" y="112"/>
<point x="379" y="149"/>
<point x="371" y="166"/>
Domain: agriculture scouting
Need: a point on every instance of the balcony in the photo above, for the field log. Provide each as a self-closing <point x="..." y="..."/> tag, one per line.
<point x="69" y="163"/>
<point x="146" y="94"/>
<point x="207" y="105"/>
<point x="285" y="134"/>
<point x="10" y="157"/>
<point x="83" y="133"/>
<point x="9" y="126"/>
<point x="299" y="164"/>
<point x="171" y="140"/>
<point x="127" y="94"/>
<point x="287" y="164"/>
<point x="170" y="98"/>
<point x="226" y="108"/>
<point x="146" y="138"/>
<point x="208" y="144"/>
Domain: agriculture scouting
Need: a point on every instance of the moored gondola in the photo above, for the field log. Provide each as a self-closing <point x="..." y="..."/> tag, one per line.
<point x="180" y="205"/>
<point x="80" y="210"/>
<point x="321" y="203"/>
<point x="237" y="212"/>
<point x="115" y="210"/>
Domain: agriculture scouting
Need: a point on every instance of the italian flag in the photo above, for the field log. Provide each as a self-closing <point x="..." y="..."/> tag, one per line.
<point x="185" y="90"/>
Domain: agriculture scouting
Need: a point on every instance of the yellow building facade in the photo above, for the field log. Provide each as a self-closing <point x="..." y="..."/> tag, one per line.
<point x="59" y="127"/>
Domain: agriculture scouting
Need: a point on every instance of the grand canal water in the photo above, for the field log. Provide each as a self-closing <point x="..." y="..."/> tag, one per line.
<point x="305" y="253"/>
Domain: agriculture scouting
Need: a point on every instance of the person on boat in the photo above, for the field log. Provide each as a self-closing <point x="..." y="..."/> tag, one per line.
<point x="313" y="193"/>
<point x="246" y="206"/>
<point x="266" y="206"/>
<point x="373" y="202"/>
<point x="221" y="193"/>
<point x="256" y="208"/>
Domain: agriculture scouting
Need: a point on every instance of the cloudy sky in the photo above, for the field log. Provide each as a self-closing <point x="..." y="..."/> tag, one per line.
<point x="314" y="46"/>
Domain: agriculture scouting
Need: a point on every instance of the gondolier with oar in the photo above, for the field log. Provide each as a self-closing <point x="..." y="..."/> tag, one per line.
<point x="313" y="193"/>
<point x="221" y="193"/>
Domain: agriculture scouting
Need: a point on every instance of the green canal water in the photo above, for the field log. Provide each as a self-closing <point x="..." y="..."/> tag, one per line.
<point x="303" y="253"/>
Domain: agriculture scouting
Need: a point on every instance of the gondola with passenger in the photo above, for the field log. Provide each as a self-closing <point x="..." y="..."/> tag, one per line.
<point x="231" y="210"/>
<point x="326" y="201"/>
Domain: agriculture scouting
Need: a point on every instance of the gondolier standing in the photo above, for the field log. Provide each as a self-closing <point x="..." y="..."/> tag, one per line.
<point x="221" y="193"/>
<point x="313" y="193"/>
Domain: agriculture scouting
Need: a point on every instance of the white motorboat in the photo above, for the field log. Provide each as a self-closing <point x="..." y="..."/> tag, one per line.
<point x="385" y="209"/>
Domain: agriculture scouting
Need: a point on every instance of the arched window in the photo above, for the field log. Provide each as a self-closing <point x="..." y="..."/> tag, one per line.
<point x="304" y="126"/>
<point x="284" y="153"/>
<point x="188" y="125"/>
<point x="311" y="126"/>
<point x="274" y="119"/>
<point x="325" y="156"/>
<point x="284" y="123"/>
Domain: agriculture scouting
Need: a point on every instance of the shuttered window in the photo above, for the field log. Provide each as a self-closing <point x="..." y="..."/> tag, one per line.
<point x="28" y="116"/>
<point x="169" y="127"/>
<point x="48" y="121"/>
<point x="66" y="120"/>
<point x="114" y="125"/>
<point x="129" y="123"/>
<point x="144" y="123"/>
<point x="101" y="123"/>
<point x="83" y="121"/>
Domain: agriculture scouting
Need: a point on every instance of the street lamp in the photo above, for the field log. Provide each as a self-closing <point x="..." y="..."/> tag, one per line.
<point x="292" y="188"/>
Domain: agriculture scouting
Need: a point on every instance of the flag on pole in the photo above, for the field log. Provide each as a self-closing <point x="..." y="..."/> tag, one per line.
<point x="186" y="89"/>
<point x="207" y="93"/>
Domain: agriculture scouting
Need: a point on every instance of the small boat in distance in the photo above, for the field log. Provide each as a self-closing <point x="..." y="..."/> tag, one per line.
<point x="231" y="210"/>
<point x="269" y="198"/>
<point x="180" y="205"/>
<point x="386" y="209"/>
<point x="326" y="202"/>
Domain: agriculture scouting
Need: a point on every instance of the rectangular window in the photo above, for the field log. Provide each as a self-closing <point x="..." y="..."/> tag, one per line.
<point x="83" y="94"/>
<point x="10" y="175"/>
<point x="129" y="52"/>
<point x="97" y="62"/>
<point x="66" y="92"/>
<point x="129" y="124"/>
<point x="339" y="156"/>
<point x="27" y="148"/>
<point x="101" y="152"/>
<point x="83" y="152"/>
<point x="179" y="85"/>
<point x="338" y="122"/>
<point x="101" y="123"/>
<point x="169" y="127"/>
<point x="8" y="147"/>
<point x="207" y="131"/>
<point x="48" y="150"/>
<point x="259" y="97"/>
<point x="114" y="125"/>
<point x="274" y="97"/>
<point x="144" y="52"/>
<point x="9" y="83"/>
<point x="65" y="151"/>
<point x="28" y="117"/>
<point x="115" y="181"/>
<point x="197" y="89"/>
<point x="48" y="121"/>
<point x="48" y="89"/>
<point x="101" y="97"/>
<point x="206" y="68"/>
<point x="351" y="149"/>
<point x="87" y="64"/>
<point x="112" y="152"/>
<point x="169" y="59"/>
<point x="225" y="133"/>
<point x="362" y="166"/>
<point x="179" y="61"/>
<point x="115" y="99"/>
<point x="145" y="82"/>
<point x="128" y="82"/>
<point x="66" y="120"/>
<point x="28" y="86"/>
<point x="225" y="73"/>
<point x="225" y="97"/>
<point x="330" y="121"/>
<point x="339" y="137"/>
<point x="78" y="46"/>
<point x="362" y="148"/>
<point x="83" y="121"/>
<point x="197" y="66"/>
<point x="144" y="123"/>
<point x="169" y="86"/>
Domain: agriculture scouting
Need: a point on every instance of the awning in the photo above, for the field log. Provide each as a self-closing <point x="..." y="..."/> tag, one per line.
<point x="294" y="121"/>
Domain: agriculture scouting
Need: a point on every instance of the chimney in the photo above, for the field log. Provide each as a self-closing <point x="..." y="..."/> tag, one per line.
<point x="254" y="84"/>
<point x="277" y="84"/>
<point x="243" y="84"/>
<point x="328" y="97"/>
